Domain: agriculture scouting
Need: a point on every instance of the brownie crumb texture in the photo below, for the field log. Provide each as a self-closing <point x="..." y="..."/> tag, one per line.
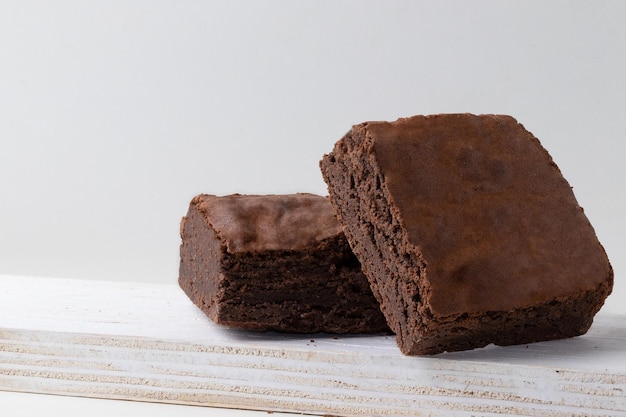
<point x="274" y="262"/>
<point x="467" y="232"/>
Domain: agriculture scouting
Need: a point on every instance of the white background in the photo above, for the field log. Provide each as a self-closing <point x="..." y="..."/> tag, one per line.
<point x="114" y="114"/>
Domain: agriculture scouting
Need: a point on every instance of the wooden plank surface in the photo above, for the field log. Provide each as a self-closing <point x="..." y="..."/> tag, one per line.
<point x="147" y="342"/>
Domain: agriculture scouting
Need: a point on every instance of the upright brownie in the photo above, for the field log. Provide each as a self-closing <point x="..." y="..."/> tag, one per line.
<point x="467" y="232"/>
<point x="274" y="262"/>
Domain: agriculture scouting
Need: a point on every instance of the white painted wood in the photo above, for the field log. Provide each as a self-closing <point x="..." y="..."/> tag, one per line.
<point x="148" y="342"/>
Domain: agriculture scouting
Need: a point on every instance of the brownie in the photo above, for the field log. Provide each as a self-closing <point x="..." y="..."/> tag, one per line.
<point x="274" y="262"/>
<point x="467" y="232"/>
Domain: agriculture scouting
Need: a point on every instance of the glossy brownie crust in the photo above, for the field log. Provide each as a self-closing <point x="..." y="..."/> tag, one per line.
<point x="467" y="231"/>
<point x="274" y="262"/>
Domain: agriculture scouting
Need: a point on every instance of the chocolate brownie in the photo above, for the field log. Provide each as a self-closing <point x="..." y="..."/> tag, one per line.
<point x="274" y="262"/>
<point x="467" y="232"/>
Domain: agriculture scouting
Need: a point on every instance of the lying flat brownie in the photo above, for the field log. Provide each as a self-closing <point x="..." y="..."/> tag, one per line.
<point x="467" y="232"/>
<point x="274" y="262"/>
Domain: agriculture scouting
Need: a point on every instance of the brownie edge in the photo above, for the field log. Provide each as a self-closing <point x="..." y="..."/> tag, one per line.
<point x="274" y="262"/>
<point x="467" y="232"/>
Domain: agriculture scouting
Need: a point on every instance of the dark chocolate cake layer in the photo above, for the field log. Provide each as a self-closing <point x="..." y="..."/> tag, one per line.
<point x="467" y="232"/>
<point x="274" y="262"/>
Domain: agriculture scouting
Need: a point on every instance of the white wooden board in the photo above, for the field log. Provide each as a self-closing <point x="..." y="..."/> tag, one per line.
<point x="148" y="342"/>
